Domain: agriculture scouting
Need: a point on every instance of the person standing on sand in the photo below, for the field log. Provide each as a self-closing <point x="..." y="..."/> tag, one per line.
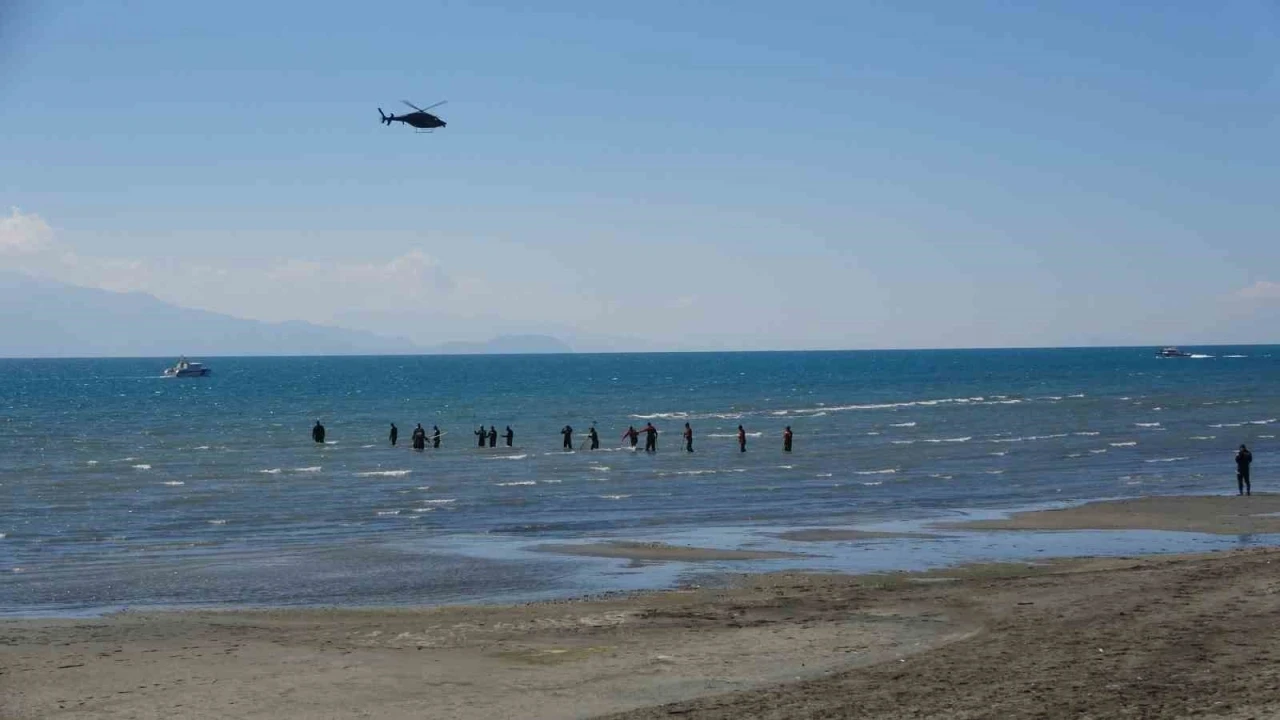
<point x="1244" y="459"/>
<point x="688" y="438"/>
<point x="742" y="439"/>
<point x="435" y="436"/>
<point x="493" y="436"/>
<point x="786" y="439"/>
<point x="317" y="433"/>
<point x="650" y="438"/>
<point x="631" y="434"/>
<point x="567" y="432"/>
<point x="510" y="435"/>
<point x="419" y="438"/>
<point x="395" y="434"/>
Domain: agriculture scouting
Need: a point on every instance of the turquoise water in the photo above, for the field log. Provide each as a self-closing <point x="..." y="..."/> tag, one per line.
<point x="122" y="488"/>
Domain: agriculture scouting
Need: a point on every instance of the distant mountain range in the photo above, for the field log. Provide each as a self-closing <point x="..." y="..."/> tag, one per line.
<point x="43" y="318"/>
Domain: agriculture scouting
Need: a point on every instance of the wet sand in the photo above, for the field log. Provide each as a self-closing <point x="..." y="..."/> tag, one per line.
<point x="1223" y="515"/>
<point x="1154" y="637"/>
<point x="844" y="534"/>
<point x="661" y="552"/>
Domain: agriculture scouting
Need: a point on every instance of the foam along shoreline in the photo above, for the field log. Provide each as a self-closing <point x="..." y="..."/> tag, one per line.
<point x="661" y="552"/>
<point x="847" y="534"/>
<point x="1218" y="515"/>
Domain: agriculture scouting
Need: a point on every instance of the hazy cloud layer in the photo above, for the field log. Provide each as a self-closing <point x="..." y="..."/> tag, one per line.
<point x="274" y="289"/>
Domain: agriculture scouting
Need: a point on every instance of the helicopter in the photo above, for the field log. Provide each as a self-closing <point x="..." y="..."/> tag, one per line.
<point x="420" y="119"/>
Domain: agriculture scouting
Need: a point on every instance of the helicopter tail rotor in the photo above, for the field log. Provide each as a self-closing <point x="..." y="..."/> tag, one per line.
<point x="385" y="120"/>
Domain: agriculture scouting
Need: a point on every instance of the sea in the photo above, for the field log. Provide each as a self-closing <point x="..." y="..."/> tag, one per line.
<point x="121" y="489"/>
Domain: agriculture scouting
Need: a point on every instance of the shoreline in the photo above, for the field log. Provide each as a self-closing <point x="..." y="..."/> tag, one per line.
<point x="1168" y="635"/>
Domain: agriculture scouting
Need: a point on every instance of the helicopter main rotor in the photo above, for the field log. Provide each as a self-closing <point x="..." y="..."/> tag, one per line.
<point x="422" y="110"/>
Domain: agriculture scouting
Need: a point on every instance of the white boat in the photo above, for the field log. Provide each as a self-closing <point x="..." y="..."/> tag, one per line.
<point x="186" y="368"/>
<point x="1172" y="352"/>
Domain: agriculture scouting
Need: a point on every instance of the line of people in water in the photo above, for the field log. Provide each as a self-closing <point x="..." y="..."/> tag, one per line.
<point x="490" y="436"/>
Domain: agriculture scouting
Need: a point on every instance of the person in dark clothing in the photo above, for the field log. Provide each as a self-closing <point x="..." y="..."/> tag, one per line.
<point x="317" y="433"/>
<point x="650" y="438"/>
<point x="567" y="432"/>
<point x="395" y="434"/>
<point x="786" y="439"/>
<point x="510" y="435"/>
<point x="481" y="436"/>
<point x="435" y="436"/>
<point x="742" y="439"/>
<point x="594" y="437"/>
<point x="1244" y="459"/>
<point x="631" y="434"/>
<point x="419" y="438"/>
<point x="493" y="436"/>
<point x="688" y="438"/>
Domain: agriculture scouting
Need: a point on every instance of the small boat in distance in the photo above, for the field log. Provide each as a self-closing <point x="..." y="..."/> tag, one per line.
<point x="1172" y="352"/>
<point x="185" y="368"/>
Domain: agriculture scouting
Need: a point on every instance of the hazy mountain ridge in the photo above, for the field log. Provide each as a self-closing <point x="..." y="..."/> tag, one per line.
<point x="44" y="318"/>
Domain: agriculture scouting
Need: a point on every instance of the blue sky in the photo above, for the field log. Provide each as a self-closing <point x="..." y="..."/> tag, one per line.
<point x="660" y="175"/>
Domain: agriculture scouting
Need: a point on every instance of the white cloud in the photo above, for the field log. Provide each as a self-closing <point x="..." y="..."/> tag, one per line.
<point x="272" y="289"/>
<point x="24" y="234"/>
<point x="1260" y="290"/>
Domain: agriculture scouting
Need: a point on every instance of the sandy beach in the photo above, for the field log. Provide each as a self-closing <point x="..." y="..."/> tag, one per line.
<point x="1152" y="637"/>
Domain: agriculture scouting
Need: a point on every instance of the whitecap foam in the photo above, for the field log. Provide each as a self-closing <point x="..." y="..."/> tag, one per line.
<point x="734" y="435"/>
<point x="662" y="416"/>
<point x="442" y="501"/>
<point x="1077" y="395"/>
<point x="966" y="438"/>
<point x="995" y="472"/>
<point x="823" y="475"/>
<point x="1227" y="425"/>
<point x="1028" y="438"/>
<point x="92" y="462"/>
<point x="388" y="512"/>
<point x="1267" y="436"/>
<point x="1268" y="421"/>
<point x="904" y="424"/>
<point x="1123" y="444"/>
<point x="551" y="481"/>
<point x="217" y="522"/>
<point x="1197" y="356"/>
<point x="509" y="457"/>
<point x="330" y="442"/>
<point x="903" y="442"/>
<point x="999" y="453"/>
<point x="1097" y="452"/>
<point x="886" y="471"/>
<point x="1235" y="356"/>
<point x="939" y="476"/>
<point x="1148" y="425"/>
<point x="1165" y="460"/>
<point x="1087" y="433"/>
<point x="312" y="469"/>
<point x="141" y="466"/>
<point x="201" y="447"/>
<point x="1203" y="437"/>
<point x="384" y="473"/>
<point x="515" y="483"/>
<point x="365" y="447"/>
<point x="173" y="483"/>
<point x="786" y="467"/>
<point x="598" y="468"/>
<point x="424" y="510"/>
<point x="272" y="471"/>
<point x="613" y="497"/>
